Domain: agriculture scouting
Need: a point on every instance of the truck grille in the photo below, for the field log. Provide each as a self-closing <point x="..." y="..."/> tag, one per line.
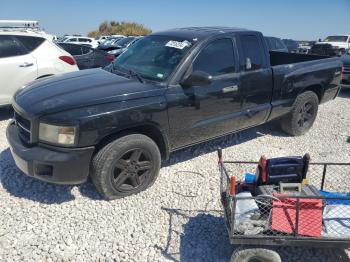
<point x="24" y="127"/>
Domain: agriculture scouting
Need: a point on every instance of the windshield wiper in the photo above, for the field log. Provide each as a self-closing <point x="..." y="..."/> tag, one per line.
<point x="125" y="72"/>
<point x="135" y="74"/>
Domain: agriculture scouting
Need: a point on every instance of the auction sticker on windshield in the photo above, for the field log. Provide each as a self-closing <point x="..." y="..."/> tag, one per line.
<point x="177" y="44"/>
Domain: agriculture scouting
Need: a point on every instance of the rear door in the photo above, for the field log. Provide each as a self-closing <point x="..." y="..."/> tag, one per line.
<point x="89" y="57"/>
<point x="256" y="81"/>
<point x="199" y="113"/>
<point x="17" y="66"/>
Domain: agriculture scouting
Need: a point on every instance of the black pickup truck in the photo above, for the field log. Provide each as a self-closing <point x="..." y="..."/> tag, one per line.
<point x="170" y="90"/>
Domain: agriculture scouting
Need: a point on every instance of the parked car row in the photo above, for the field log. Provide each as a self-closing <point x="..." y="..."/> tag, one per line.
<point x="86" y="56"/>
<point x="88" y="41"/>
<point x="334" y="45"/>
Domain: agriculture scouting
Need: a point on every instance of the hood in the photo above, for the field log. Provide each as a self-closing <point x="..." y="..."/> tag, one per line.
<point x="345" y="59"/>
<point x="79" y="89"/>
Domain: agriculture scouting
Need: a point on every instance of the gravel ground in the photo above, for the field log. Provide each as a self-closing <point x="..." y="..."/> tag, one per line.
<point x="178" y="219"/>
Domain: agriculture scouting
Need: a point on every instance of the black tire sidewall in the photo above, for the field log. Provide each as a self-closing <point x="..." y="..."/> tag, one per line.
<point x="308" y="97"/>
<point x="290" y="122"/>
<point x="102" y="173"/>
<point x="242" y="254"/>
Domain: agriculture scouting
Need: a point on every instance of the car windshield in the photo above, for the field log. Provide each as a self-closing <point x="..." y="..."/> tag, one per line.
<point x="336" y="38"/>
<point x="108" y="42"/>
<point x="153" y="57"/>
<point x="124" y="42"/>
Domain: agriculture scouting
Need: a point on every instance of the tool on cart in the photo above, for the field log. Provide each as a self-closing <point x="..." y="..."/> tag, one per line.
<point x="282" y="169"/>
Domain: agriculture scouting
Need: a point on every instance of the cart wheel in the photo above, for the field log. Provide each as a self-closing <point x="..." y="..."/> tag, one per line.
<point x="242" y="254"/>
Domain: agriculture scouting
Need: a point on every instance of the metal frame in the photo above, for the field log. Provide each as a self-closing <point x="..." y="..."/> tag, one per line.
<point x="278" y="240"/>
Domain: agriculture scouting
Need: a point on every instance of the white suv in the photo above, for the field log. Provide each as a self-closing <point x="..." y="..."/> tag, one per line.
<point x="80" y="40"/>
<point x="26" y="56"/>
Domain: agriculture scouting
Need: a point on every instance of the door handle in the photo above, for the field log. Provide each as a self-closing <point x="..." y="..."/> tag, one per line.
<point x="230" y="89"/>
<point x="26" y="64"/>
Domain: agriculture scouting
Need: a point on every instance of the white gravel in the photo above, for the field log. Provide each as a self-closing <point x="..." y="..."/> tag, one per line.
<point x="178" y="219"/>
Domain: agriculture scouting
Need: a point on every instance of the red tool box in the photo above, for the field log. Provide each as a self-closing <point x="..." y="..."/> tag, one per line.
<point x="309" y="216"/>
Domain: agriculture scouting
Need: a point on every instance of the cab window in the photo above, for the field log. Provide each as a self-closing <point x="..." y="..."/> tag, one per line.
<point x="252" y="53"/>
<point x="216" y="59"/>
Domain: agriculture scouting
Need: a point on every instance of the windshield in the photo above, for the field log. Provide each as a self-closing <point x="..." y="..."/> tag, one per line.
<point x="124" y="42"/>
<point x="109" y="41"/>
<point x="153" y="57"/>
<point x="336" y="38"/>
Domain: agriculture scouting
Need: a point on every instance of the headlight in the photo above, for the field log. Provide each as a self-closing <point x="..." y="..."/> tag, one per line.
<point x="64" y="135"/>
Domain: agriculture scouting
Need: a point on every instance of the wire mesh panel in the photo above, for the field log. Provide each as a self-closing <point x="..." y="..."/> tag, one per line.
<point x="262" y="212"/>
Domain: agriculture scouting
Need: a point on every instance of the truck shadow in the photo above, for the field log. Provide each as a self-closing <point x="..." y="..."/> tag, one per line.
<point x="19" y="185"/>
<point x="271" y="128"/>
<point x="204" y="238"/>
<point x="6" y="113"/>
<point x="345" y="93"/>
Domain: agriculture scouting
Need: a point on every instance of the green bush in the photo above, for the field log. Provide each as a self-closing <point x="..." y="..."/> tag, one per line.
<point x="120" y="28"/>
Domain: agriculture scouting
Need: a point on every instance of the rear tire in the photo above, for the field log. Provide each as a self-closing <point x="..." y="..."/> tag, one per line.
<point x="125" y="166"/>
<point x="242" y="254"/>
<point x="303" y="114"/>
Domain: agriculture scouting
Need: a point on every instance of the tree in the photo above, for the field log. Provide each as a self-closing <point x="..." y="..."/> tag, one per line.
<point x="120" y="28"/>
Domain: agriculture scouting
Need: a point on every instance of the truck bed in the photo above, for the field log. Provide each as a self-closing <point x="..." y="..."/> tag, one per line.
<point x="293" y="72"/>
<point x="283" y="58"/>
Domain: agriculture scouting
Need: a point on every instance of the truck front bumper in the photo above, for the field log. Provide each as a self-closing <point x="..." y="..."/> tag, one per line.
<point x="55" y="165"/>
<point x="346" y="81"/>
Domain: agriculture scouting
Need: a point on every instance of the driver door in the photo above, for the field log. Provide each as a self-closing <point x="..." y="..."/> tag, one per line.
<point x="199" y="113"/>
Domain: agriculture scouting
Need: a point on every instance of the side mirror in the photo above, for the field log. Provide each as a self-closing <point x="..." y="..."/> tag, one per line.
<point x="197" y="78"/>
<point x="248" y="64"/>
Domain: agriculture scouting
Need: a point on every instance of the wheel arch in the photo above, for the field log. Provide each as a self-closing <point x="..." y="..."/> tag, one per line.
<point x="153" y="132"/>
<point x="318" y="89"/>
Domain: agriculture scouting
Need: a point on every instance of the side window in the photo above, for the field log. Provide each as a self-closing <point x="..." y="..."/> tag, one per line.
<point x="216" y="59"/>
<point x="10" y="47"/>
<point x="252" y="53"/>
<point x="30" y="42"/>
<point x="85" y="50"/>
<point x="72" y="40"/>
<point x="75" y="49"/>
<point x="82" y="40"/>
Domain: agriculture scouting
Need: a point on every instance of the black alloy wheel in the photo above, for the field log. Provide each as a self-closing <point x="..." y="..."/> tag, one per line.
<point x="125" y="166"/>
<point x="306" y="115"/>
<point x="131" y="170"/>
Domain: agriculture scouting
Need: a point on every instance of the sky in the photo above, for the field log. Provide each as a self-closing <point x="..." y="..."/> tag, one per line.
<point x="296" y="19"/>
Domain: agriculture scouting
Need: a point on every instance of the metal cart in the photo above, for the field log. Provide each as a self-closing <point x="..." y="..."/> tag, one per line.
<point x="286" y="220"/>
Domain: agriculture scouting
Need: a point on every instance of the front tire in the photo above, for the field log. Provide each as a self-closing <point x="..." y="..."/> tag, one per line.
<point x="125" y="166"/>
<point x="303" y="114"/>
